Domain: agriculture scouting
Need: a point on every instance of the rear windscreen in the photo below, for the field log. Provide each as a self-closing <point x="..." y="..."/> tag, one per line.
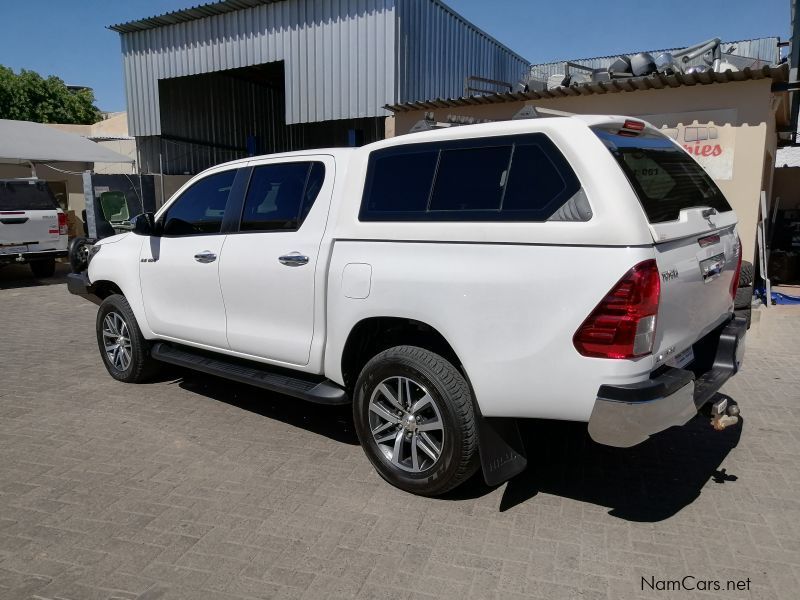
<point x="666" y="179"/>
<point x="21" y="195"/>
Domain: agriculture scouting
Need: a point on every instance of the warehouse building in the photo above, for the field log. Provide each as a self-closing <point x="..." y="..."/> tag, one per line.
<point x="244" y="77"/>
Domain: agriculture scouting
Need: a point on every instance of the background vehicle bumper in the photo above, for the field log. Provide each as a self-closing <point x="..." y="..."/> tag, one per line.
<point x="26" y="257"/>
<point x="626" y="415"/>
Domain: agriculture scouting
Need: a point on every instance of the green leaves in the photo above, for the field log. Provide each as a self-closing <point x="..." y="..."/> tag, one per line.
<point x="28" y="96"/>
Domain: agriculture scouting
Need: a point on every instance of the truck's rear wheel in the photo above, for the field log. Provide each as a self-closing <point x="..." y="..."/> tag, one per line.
<point x="414" y="417"/>
<point x="125" y="352"/>
<point x="43" y="268"/>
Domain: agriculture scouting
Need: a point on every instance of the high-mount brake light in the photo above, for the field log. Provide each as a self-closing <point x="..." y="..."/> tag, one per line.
<point x="631" y="128"/>
<point x="623" y="324"/>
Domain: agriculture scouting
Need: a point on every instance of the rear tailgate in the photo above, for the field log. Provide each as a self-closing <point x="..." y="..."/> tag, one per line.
<point x="694" y="230"/>
<point x="28" y="217"/>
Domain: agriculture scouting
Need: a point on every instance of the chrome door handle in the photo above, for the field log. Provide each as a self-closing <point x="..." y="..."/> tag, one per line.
<point x="294" y="259"/>
<point x="205" y="257"/>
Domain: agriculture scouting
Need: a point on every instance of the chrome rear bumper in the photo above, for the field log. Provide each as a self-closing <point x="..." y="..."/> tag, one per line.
<point x="626" y="415"/>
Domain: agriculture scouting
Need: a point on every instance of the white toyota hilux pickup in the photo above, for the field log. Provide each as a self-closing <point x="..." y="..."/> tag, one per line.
<point x="447" y="283"/>
<point x="33" y="228"/>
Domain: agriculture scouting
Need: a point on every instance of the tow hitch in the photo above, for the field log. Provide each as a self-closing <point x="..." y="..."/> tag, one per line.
<point x="724" y="414"/>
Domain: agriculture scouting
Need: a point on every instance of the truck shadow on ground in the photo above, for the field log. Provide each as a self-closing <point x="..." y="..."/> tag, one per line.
<point x="20" y="276"/>
<point x="647" y="483"/>
<point x="334" y="422"/>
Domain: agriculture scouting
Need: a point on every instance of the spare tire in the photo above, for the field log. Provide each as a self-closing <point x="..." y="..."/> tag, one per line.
<point x="747" y="274"/>
<point x="79" y="254"/>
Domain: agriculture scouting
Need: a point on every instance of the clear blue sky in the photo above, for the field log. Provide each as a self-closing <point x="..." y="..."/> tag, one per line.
<point x="68" y="38"/>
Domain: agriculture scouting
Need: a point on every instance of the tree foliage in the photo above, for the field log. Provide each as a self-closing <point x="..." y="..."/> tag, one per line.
<point x="28" y="96"/>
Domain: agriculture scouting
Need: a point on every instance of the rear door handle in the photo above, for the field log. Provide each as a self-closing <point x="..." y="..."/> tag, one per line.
<point x="205" y="256"/>
<point x="293" y="259"/>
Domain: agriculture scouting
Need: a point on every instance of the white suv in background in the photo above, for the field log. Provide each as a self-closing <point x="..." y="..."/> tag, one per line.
<point x="33" y="229"/>
<point x="447" y="283"/>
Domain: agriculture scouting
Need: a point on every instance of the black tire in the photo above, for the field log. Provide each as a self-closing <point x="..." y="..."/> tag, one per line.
<point x="43" y="268"/>
<point x="140" y="367"/>
<point x="449" y="391"/>
<point x="747" y="274"/>
<point x="744" y="297"/>
<point x="79" y="254"/>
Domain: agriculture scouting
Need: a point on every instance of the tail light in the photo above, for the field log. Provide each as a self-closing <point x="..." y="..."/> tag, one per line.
<point x="735" y="280"/>
<point x="623" y="325"/>
<point x="62" y="224"/>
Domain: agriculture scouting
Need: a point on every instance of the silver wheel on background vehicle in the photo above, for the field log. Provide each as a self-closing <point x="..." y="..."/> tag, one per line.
<point x="406" y="424"/>
<point x="117" y="341"/>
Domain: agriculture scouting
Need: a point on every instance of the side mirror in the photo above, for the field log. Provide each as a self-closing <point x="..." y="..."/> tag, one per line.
<point x="144" y="224"/>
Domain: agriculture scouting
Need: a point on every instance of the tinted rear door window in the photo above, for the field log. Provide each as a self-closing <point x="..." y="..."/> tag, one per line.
<point x="280" y="195"/>
<point x="665" y="178"/>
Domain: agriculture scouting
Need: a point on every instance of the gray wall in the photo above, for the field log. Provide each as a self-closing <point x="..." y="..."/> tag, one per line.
<point x="438" y="49"/>
<point x="343" y="59"/>
<point x="339" y="57"/>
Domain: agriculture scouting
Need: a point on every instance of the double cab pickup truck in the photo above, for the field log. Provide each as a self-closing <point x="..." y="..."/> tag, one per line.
<point x="447" y="284"/>
<point x="33" y="229"/>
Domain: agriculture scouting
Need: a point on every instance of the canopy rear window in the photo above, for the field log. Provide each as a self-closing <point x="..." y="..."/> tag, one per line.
<point x="24" y="195"/>
<point x="665" y="178"/>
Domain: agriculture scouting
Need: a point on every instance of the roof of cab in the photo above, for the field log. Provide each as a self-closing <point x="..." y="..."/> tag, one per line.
<point x="335" y="152"/>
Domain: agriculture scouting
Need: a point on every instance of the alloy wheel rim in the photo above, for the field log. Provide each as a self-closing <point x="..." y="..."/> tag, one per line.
<point x="406" y="424"/>
<point x="117" y="341"/>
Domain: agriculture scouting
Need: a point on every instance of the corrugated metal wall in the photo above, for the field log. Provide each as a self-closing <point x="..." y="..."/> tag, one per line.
<point x="437" y="49"/>
<point x="339" y="57"/>
<point x="762" y="49"/>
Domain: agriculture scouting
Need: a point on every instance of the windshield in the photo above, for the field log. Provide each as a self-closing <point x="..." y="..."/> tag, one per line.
<point x="665" y="178"/>
<point x="24" y="195"/>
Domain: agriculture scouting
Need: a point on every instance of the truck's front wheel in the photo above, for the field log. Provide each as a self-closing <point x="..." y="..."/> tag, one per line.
<point x="125" y="352"/>
<point x="415" y="419"/>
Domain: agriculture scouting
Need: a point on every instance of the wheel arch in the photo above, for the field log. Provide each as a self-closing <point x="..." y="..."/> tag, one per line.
<point x="105" y="288"/>
<point x="372" y="335"/>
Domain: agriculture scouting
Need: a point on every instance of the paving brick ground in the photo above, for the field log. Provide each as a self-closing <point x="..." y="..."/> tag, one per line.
<point x="196" y="488"/>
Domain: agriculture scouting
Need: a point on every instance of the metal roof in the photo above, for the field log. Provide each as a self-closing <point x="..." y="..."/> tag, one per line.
<point x="656" y="81"/>
<point x="22" y="141"/>
<point x="187" y="14"/>
<point x="762" y="49"/>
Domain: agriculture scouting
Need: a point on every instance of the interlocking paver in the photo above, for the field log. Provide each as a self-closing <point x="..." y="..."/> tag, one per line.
<point x="192" y="487"/>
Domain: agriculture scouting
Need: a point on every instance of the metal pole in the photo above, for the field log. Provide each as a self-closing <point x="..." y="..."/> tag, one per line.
<point x="88" y="197"/>
<point x="161" y="171"/>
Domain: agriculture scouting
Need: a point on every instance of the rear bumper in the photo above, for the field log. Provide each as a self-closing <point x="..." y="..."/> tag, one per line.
<point x="25" y="257"/>
<point x="626" y="415"/>
<point x="78" y="284"/>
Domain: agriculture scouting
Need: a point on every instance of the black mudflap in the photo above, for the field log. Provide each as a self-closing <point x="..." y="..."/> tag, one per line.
<point x="501" y="449"/>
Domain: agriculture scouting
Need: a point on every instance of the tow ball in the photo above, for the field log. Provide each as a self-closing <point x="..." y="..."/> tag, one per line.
<point x="724" y="414"/>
